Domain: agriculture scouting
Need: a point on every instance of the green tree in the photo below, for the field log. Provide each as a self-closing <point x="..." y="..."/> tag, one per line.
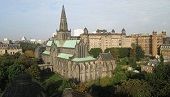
<point x="14" y="70"/>
<point x="161" y="60"/>
<point x="160" y="81"/>
<point x="113" y="51"/>
<point x="34" y="71"/>
<point x="139" y="53"/>
<point x="119" y="75"/>
<point x="2" y="72"/>
<point x="95" y="52"/>
<point x="24" y="60"/>
<point x="135" y="88"/>
<point x="132" y="59"/>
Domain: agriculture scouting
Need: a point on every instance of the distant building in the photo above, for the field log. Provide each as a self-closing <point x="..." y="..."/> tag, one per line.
<point x="167" y="40"/>
<point x="165" y="51"/>
<point x="150" y="44"/>
<point x="24" y="38"/>
<point x="150" y="66"/>
<point x="103" y="39"/>
<point x="147" y="68"/>
<point x="10" y="48"/>
<point x="157" y="41"/>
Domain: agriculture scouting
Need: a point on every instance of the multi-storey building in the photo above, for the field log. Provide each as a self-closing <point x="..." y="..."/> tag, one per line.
<point x="150" y="44"/>
<point x="165" y="51"/>
<point x="103" y="39"/>
<point x="144" y="41"/>
<point x="157" y="41"/>
<point x="9" y="48"/>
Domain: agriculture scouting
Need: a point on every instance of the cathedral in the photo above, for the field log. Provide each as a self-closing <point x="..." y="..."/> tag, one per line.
<point x="70" y="58"/>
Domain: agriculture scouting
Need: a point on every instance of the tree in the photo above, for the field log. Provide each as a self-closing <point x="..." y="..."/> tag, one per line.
<point x="28" y="46"/>
<point x="29" y="53"/>
<point x="14" y="70"/>
<point x="119" y="75"/>
<point x="95" y="52"/>
<point x="161" y="60"/>
<point x="139" y="53"/>
<point x="2" y="72"/>
<point x="24" y="60"/>
<point x="118" y="52"/>
<point x="160" y="81"/>
<point x="34" y="71"/>
<point x="135" y="88"/>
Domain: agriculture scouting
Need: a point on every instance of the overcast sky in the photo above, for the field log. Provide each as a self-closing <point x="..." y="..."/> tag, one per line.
<point x="40" y="18"/>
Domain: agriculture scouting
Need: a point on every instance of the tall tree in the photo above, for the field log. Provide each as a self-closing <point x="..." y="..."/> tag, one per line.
<point x="95" y="52"/>
<point x="14" y="70"/>
<point x="135" y="88"/>
<point x="34" y="71"/>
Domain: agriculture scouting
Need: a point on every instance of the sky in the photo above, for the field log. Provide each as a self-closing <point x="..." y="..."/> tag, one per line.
<point x="39" y="19"/>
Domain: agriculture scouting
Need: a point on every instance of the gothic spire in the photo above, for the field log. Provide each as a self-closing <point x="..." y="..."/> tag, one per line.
<point x="63" y="21"/>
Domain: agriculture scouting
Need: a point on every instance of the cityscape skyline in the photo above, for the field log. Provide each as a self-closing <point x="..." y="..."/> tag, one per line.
<point x="38" y="19"/>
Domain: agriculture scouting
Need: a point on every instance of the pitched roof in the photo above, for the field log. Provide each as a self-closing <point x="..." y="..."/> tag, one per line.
<point x="106" y="56"/>
<point x="66" y="43"/>
<point x="64" y="55"/>
<point x="67" y="56"/>
<point x="46" y="52"/>
<point x="88" y="58"/>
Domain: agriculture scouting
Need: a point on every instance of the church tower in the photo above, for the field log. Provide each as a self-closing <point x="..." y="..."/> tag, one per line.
<point x="63" y="33"/>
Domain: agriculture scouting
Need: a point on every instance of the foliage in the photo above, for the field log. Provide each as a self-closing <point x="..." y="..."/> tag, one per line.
<point x="105" y="81"/>
<point x="54" y="85"/>
<point x="14" y="70"/>
<point x="135" y="88"/>
<point x="132" y="62"/>
<point x="34" y="71"/>
<point x="118" y="52"/>
<point x="124" y="61"/>
<point x="95" y="52"/>
<point x="161" y="60"/>
<point x="24" y="60"/>
<point x="28" y="46"/>
<point x="29" y="53"/>
<point x="119" y="75"/>
<point x="99" y="91"/>
<point x="160" y="81"/>
<point x="2" y="72"/>
<point x="139" y="53"/>
<point x="81" y="87"/>
<point x="7" y="60"/>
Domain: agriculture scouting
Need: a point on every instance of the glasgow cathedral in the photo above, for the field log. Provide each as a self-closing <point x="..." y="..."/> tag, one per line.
<point x="70" y="58"/>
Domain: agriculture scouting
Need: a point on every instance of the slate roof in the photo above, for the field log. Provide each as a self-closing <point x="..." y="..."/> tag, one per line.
<point x="105" y="56"/>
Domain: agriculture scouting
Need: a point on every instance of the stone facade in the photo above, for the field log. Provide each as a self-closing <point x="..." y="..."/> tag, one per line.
<point x="165" y="51"/>
<point x="69" y="56"/>
<point x="9" y="48"/>
<point x="150" y="44"/>
<point x="103" y="39"/>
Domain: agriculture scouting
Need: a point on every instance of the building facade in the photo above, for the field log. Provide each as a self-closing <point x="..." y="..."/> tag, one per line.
<point x="150" y="44"/>
<point x="103" y="39"/>
<point x="165" y="51"/>
<point x="69" y="56"/>
<point x="10" y="48"/>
